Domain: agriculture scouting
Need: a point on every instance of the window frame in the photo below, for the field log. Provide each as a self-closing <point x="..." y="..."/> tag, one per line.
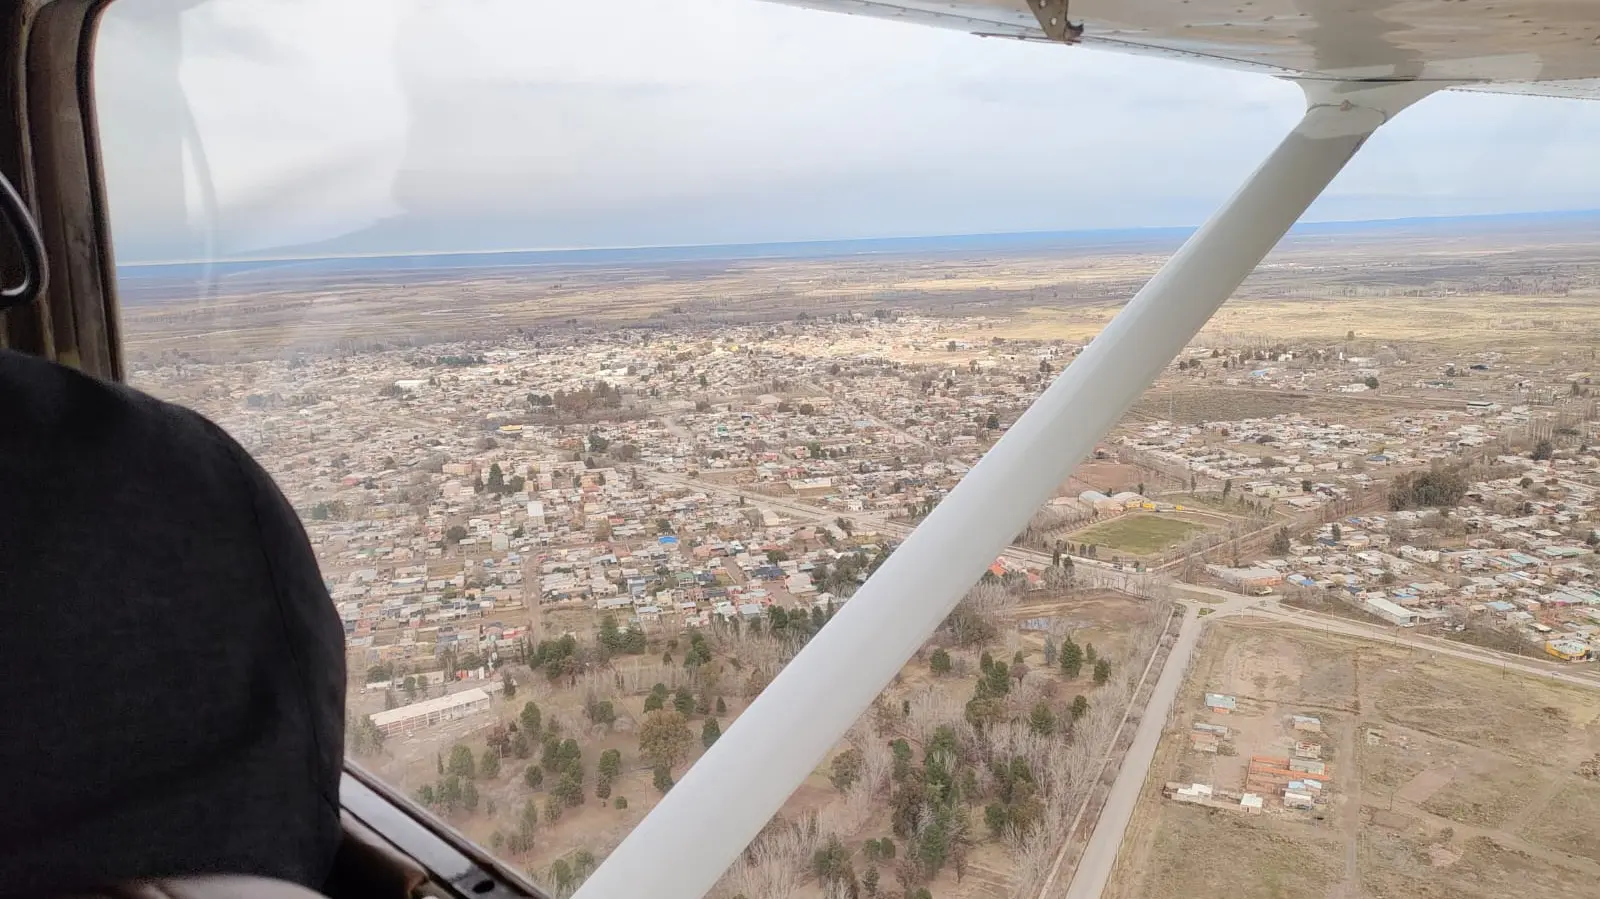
<point x="51" y="153"/>
<point x="50" y="150"/>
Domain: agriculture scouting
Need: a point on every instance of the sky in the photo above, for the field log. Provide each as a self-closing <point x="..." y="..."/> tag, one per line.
<point x="307" y="127"/>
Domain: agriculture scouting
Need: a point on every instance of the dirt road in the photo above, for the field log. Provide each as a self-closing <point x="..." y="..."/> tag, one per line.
<point x="1329" y="624"/>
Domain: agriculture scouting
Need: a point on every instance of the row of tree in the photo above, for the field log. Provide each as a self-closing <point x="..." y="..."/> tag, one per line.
<point x="1438" y="488"/>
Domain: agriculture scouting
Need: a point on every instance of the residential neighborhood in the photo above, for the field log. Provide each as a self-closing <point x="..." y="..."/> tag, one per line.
<point x="456" y="494"/>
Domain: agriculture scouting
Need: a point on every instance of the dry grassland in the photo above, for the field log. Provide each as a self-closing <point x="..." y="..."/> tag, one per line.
<point x="1479" y="289"/>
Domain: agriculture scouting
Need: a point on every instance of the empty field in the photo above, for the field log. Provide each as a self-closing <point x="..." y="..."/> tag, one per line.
<point x="1203" y="853"/>
<point x="1445" y="778"/>
<point x="1567" y="822"/>
<point x="1140" y="535"/>
<point x="1526" y="719"/>
<point x="1485" y="796"/>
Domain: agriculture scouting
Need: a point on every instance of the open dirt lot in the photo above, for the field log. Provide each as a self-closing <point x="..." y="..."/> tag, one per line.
<point x="1107" y="477"/>
<point x="1101" y="617"/>
<point x="1445" y="778"/>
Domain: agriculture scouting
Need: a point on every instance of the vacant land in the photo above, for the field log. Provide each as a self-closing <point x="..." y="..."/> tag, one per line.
<point x="1442" y="282"/>
<point x="1211" y="858"/>
<point x="1139" y="534"/>
<point x="1107" y="477"/>
<point x="1445" y="778"/>
<point x="1187" y="405"/>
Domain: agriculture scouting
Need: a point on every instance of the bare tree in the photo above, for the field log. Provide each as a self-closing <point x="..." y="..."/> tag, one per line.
<point x="646" y="673"/>
<point x="774" y="865"/>
<point x="977" y="616"/>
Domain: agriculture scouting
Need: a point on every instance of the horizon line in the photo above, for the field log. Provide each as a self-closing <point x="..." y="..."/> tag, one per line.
<point x="396" y="254"/>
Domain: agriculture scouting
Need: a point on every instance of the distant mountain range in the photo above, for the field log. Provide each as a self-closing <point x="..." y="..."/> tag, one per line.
<point x="142" y="281"/>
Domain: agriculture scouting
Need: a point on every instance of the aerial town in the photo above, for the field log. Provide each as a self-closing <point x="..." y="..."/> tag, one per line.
<point x="708" y="475"/>
<point x="567" y="558"/>
<point x="472" y="501"/>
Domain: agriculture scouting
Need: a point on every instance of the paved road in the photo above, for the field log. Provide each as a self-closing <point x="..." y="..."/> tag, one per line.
<point x="1094" y="868"/>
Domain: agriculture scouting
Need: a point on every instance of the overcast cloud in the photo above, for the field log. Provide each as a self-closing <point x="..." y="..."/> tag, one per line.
<point x="245" y="127"/>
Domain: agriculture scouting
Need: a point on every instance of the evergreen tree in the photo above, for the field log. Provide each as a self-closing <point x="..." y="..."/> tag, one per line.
<point x="530" y="719"/>
<point x="902" y="759"/>
<point x="610" y="764"/>
<point x="569" y="790"/>
<point x="461" y="763"/>
<point x="1280" y="542"/>
<point x="602" y="713"/>
<point x="1041" y="720"/>
<point x="1071" y="658"/>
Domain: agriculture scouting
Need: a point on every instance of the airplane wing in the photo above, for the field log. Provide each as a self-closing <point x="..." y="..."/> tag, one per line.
<point x="1541" y="47"/>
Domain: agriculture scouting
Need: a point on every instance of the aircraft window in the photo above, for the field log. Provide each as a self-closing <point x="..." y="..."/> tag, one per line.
<point x="590" y="344"/>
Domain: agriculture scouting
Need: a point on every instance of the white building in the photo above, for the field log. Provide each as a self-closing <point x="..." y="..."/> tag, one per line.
<point x="1390" y="612"/>
<point x="408" y="718"/>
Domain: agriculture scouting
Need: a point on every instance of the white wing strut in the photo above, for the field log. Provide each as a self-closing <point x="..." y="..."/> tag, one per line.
<point x="684" y="845"/>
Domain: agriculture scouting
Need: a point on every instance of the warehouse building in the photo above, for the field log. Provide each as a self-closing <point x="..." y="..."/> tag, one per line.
<point x="1247" y="580"/>
<point x="1393" y="613"/>
<point x="408" y="718"/>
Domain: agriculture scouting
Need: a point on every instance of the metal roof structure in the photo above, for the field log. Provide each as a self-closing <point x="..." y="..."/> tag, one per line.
<point x="427" y="707"/>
